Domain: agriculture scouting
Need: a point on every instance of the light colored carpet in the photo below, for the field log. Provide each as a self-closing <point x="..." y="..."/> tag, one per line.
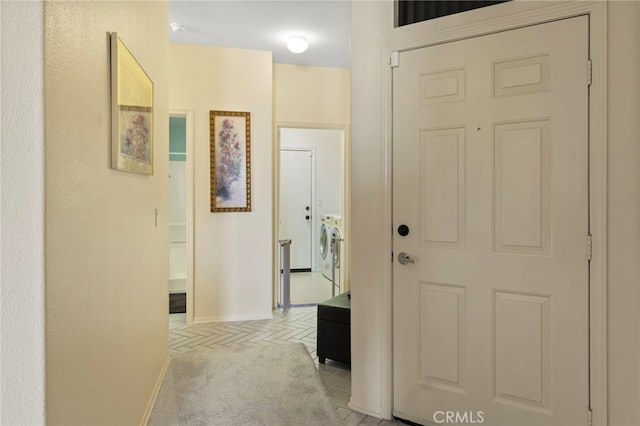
<point x="261" y="385"/>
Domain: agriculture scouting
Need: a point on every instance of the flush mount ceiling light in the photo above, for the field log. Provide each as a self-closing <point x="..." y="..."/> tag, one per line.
<point x="297" y="44"/>
<point x="177" y="27"/>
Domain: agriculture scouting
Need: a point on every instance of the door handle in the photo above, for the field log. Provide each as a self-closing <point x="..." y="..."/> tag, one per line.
<point x="307" y="217"/>
<point x="404" y="258"/>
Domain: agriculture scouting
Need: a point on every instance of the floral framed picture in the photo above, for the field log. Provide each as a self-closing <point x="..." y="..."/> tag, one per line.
<point x="131" y="112"/>
<point x="230" y="147"/>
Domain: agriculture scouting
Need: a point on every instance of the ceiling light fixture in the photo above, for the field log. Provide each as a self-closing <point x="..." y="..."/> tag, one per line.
<point x="177" y="27"/>
<point x="297" y="44"/>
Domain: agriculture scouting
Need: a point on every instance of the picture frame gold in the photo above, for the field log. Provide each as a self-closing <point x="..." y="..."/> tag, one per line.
<point x="230" y="155"/>
<point x="131" y="112"/>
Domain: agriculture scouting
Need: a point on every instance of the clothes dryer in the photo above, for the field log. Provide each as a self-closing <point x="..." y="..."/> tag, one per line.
<point x="336" y="254"/>
<point x="326" y="228"/>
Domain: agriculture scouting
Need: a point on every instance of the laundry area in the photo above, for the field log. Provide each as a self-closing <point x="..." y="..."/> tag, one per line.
<point x="331" y="249"/>
<point x="310" y="212"/>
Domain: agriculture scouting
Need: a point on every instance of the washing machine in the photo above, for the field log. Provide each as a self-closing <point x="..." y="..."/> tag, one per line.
<point x="337" y="256"/>
<point x="326" y="228"/>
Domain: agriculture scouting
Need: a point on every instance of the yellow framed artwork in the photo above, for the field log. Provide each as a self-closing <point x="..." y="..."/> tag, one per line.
<point x="230" y="150"/>
<point x="131" y="112"/>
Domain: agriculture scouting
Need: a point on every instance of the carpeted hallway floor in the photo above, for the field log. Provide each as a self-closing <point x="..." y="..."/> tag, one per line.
<point x="298" y="325"/>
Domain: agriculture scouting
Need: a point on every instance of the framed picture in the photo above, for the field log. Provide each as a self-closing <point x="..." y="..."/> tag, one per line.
<point x="131" y="112"/>
<point x="230" y="145"/>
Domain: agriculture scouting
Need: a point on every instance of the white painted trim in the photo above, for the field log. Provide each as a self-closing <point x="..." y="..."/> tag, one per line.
<point x="155" y="392"/>
<point x="190" y="244"/>
<point x="598" y="185"/>
<point x="346" y="207"/>
<point x="369" y="410"/>
<point x="275" y="217"/>
<point x="507" y="16"/>
<point x="345" y="200"/>
<point x="234" y="317"/>
<point x="498" y="18"/>
<point x="386" y="209"/>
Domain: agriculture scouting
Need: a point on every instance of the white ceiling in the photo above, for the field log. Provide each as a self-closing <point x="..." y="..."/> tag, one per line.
<point x="266" y="24"/>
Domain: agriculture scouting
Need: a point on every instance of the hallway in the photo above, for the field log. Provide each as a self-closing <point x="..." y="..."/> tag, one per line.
<point x="298" y="325"/>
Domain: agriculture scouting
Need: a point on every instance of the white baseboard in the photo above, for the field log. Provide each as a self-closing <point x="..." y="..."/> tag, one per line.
<point x="233" y="317"/>
<point x="156" y="391"/>
<point x="369" y="410"/>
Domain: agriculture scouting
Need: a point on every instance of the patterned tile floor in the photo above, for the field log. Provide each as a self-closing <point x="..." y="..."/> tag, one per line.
<point x="298" y="325"/>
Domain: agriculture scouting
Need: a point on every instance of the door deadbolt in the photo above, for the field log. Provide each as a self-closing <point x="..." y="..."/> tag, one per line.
<point x="403" y="230"/>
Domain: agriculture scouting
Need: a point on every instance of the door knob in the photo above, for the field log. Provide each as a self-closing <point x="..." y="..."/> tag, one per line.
<point x="404" y="258"/>
<point x="307" y="217"/>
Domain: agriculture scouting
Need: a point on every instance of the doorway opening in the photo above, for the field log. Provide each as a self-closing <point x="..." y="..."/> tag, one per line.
<point x="180" y="215"/>
<point x="311" y="200"/>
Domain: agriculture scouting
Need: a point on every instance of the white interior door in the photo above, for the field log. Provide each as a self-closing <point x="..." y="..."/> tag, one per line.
<point x="295" y="205"/>
<point x="490" y="175"/>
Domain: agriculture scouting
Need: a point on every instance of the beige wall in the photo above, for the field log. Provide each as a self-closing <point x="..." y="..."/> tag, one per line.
<point x="624" y="213"/>
<point x="314" y="95"/>
<point x="372" y="28"/>
<point x="233" y="251"/>
<point x="106" y="261"/>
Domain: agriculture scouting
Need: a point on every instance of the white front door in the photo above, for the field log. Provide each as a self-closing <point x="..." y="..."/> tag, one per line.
<point x="295" y="205"/>
<point x="490" y="178"/>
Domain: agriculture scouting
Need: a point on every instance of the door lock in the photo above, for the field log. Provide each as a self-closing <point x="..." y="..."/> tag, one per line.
<point x="404" y="258"/>
<point x="403" y="230"/>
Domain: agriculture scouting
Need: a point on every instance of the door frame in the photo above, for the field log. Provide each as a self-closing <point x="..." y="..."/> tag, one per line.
<point x="503" y="17"/>
<point x="312" y="151"/>
<point x="345" y="176"/>
<point x="188" y="115"/>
